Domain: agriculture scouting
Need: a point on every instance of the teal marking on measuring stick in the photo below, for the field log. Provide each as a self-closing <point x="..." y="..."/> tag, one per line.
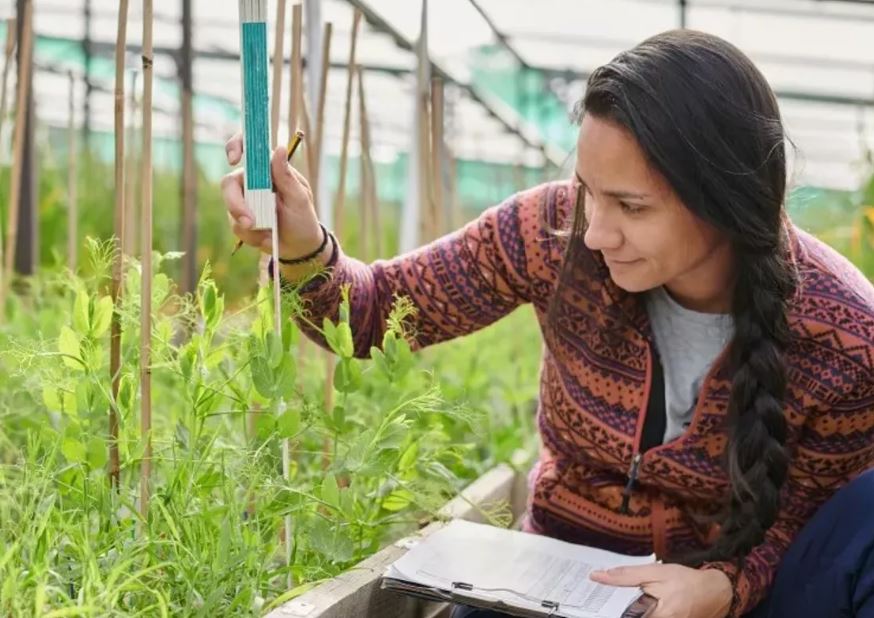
<point x="256" y="105"/>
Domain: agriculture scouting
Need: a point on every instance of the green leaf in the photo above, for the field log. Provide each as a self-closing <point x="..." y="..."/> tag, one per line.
<point x="359" y="450"/>
<point x="398" y="499"/>
<point x="96" y="453"/>
<point x="286" y="376"/>
<point x="160" y="289"/>
<point x="81" y="311"/>
<point x="212" y="304"/>
<point x="331" y="491"/>
<point x="389" y="346"/>
<point x="395" y="433"/>
<point x="345" y="345"/>
<point x="403" y="358"/>
<point x="84" y="398"/>
<point x="68" y="345"/>
<point x="73" y="450"/>
<point x="338" y="417"/>
<point x="274" y="349"/>
<point x="379" y="463"/>
<point x="329" y="541"/>
<point x="347" y="376"/>
<point x="215" y="356"/>
<point x="289" y="335"/>
<point x="69" y="401"/>
<point x="187" y="359"/>
<point x="102" y="317"/>
<point x="330" y="331"/>
<point x="262" y="376"/>
<point x="408" y="459"/>
<point x="288" y="423"/>
<point x="255" y="345"/>
<point x="126" y="393"/>
<point x="265" y="425"/>
<point x="50" y="397"/>
<point x="378" y="358"/>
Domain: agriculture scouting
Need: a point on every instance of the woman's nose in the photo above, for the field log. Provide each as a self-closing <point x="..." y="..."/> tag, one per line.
<point x="602" y="232"/>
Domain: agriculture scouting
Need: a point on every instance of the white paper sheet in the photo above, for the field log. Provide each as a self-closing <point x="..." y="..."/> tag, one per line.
<point x="518" y="568"/>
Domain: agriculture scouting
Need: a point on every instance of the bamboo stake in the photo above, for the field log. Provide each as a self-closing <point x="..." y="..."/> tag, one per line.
<point x="23" y="85"/>
<point x="310" y="161"/>
<point x="295" y="98"/>
<point x="146" y="309"/>
<point x="117" y="289"/>
<point x="11" y="27"/>
<point x="72" y="163"/>
<point x="7" y="62"/>
<point x="189" y="163"/>
<point x="368" y="175"/>
<point x="320" y="117"/>
<point x="340" y="199"/>
<point x="278" y="61"/>
<point x="295" y="108"/>
<point x="330" y="360"/>
<point x="438" y="217"/>
<point x="364" y="210"/>
<point x="131" y="246"/>
<point x="311" y="149"/>
<point x="423" y="150"/>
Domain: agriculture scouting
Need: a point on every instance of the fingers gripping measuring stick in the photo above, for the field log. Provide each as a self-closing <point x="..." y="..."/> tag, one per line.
<point x="293" y="144"/>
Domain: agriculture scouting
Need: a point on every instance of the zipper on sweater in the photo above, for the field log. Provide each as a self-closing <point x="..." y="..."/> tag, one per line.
<point x="634" y="467"/>
<point x="632" y="479"/>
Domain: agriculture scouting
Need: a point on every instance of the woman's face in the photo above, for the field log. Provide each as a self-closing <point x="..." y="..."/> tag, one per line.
<point x="647" y="236"/>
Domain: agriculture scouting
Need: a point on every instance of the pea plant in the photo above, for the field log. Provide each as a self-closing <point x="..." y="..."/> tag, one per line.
<point x="227" y="391"/>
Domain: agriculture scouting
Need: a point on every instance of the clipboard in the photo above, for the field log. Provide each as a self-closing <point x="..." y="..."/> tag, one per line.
<point x="514" y="573"/>
<point x="638" y="609"/>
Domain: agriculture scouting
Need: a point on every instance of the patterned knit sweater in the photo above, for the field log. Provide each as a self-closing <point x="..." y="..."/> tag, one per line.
<point x="596" y="377"/>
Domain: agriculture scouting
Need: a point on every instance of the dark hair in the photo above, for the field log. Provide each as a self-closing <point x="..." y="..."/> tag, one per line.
<point x="708" y="121"/>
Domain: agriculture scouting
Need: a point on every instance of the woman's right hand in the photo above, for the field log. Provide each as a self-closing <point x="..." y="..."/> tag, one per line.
<point x="299" y="233"/>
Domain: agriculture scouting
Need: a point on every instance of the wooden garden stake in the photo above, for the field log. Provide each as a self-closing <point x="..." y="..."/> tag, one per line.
<point x="437" y="218"/>
<point x="369" y="201"/>
<point x="278" y="53"/>
<point x="330" y="359"/>
<point x="72" y="164"/>
<point x="7" y="62"/>
<point x="320" y="115"/>
<point x="296" y="71"/>
<point x="23" y="87"/>
<point x="131" y="244"/>
<point x="146" y="289"/>
<point x="340" y="199"/>
<point x="117" y="288"/>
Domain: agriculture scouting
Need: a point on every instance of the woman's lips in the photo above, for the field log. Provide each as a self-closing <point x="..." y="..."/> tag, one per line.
<point x="612" y="262"/>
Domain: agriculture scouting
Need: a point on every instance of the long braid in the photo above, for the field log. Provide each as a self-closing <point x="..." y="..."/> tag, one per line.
<point x="757" y="460"/>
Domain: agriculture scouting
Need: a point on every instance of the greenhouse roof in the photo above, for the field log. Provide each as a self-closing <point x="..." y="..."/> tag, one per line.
<point x="817" y="55"/>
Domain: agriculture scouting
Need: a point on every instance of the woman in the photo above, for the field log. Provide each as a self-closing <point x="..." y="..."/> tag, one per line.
<point x="707" y="373"/>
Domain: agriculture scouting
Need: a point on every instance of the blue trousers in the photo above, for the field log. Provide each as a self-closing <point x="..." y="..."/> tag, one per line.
<point x="828" y="571"/>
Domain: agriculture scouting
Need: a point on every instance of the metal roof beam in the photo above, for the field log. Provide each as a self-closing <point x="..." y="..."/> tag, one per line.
<point x="507" y="116"/>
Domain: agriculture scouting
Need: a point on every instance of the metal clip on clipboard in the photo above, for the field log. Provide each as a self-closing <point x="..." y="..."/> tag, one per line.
<point x="552" y="606"/>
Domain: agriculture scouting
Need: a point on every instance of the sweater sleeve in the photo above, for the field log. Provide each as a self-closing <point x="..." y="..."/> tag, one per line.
<point x="458" y="284"/>
<point x="834" y="447"/>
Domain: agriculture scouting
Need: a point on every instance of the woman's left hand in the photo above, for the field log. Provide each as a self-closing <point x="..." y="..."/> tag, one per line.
<point x="681" y="592"/>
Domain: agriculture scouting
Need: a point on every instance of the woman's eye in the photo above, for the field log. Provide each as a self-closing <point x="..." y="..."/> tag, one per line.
<point x="631" y="209"/>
